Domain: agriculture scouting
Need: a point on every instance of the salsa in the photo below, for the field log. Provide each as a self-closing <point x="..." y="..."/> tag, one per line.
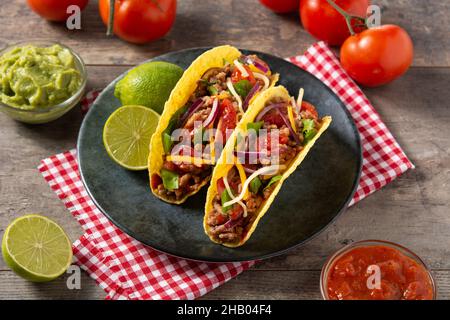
<point x="33" y="77"/>
<point x="352" y="276"/>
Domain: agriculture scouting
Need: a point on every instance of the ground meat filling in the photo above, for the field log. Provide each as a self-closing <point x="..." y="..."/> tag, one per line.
<point x="231" y="226"/>
<point x="212" y="85"/>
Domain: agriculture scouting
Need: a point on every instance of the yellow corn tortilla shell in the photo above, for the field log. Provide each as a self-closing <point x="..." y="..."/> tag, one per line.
<point x="223" y="166"/>
<point x="179" y="96"/>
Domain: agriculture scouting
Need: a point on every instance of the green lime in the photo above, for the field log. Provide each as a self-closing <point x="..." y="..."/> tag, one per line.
<point x="149" y="85"/>
<point x="36" y="248"/>
<point x="127" y="134"/>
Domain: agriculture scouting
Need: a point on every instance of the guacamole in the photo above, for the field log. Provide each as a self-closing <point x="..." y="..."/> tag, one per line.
<point x="34" y="77"/>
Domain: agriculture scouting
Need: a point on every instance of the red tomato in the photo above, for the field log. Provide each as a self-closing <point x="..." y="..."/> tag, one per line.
<point x="325" y="23"/>
<point x="377" y="56"/>
<point x="308" y="107"/>
<point x="140" y="21"/>
<point x="228" y="118"/>
<point x="237" y="76"/>
<point x="281" y="6"/>
<point x="156" y="181"/>
<point x="236" y="212"/>
<point x="273" y="117"/>
<point x="220" y="186"/>
<point x="220" y="219"/>
<point x="55" y="10"/>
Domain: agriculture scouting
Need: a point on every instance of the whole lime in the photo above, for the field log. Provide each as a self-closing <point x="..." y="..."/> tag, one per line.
<point x="148" y="85"/>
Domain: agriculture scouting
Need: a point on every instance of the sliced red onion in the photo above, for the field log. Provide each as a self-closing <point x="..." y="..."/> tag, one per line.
<point x="260" y="66"/>
<point x="194" y="107"/>
<point x="263" y="112"/>
<point x="250" y="95"/>
<point x="232" y="223"/>
<point x="258" y="63"/>
<point x="213" y="114"/>
<point x="288" y="124"/>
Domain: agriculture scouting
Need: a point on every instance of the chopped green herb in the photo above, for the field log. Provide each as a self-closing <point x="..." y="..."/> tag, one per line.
<point x="208" y="83"/>
<point x="170" y="179"/>
<point x="167" y="142"/>
<point x="225" y="197"/>
<point x="310" y="135"/>
<point x="243" y="87"/>
<point x="255" y="125"/>
<point x="273" y="180"/>
<point x="213" y="90"/>
<point x="308" y="130"/>
<point x="255" y="184"/>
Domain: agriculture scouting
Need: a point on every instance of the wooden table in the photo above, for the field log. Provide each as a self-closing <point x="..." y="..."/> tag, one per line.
<point x="413" y="210"/>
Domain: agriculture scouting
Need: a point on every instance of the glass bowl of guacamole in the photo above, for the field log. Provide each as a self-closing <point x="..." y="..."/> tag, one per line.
<point x="40" y="81"/>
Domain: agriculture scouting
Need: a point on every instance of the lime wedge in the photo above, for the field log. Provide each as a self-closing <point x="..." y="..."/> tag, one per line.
<point x="36" y="248"/>
<point x="127" y="134"/>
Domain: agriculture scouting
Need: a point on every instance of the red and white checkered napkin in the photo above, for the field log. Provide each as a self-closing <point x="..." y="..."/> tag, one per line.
<point x="126" y="269"/>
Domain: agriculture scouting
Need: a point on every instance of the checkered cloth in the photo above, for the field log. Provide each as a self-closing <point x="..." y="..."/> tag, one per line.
<point x="126" y="269"/>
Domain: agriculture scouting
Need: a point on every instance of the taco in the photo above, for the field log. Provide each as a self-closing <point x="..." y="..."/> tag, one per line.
<point x="208" y="101"/>
<point x="269" y="143"/>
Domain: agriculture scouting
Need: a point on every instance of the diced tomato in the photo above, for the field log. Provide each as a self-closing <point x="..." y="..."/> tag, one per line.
<point x="228" y="118"/>
<point x="401" y="277"/>
<point x="284" y="139"/>
<point x="236" y="76"/>
<point x="265" y="142"/>
<point x="273" y="117"/>
<point x="236" y="212"/>
<point x="169" y="165"/>
<point x="388" y="291"/>
<point x="221" y="219"/>
<point x="155" y="181"/>
<point x="220" y="186"/>
<point x="308" y="107"/>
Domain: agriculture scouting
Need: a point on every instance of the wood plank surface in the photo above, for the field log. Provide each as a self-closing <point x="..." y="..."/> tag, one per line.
<point x="413" y="210"/>
<point x="244" y="23"/>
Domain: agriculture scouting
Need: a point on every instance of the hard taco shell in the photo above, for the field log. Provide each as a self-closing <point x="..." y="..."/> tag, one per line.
<point x="223" y="166"/>
<point x="213" y="58"/>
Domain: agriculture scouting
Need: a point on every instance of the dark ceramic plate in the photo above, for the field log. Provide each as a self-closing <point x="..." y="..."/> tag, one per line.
<point x="310" y="199"/>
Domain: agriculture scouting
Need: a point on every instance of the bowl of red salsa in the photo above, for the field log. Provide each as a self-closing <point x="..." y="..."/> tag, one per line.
<point x="376" y="270"/>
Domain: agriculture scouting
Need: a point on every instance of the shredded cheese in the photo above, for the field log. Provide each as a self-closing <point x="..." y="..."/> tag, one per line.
<point x="264" y="170"/>
<point x="241" y="68"/>
<point x="230" y="193"/>
<point x="242" y="175"/>
<point x="212" y="148"/>
<point x="263" y="78"/>
<point x="291" y="115"/>
<point x="189" y="159"/>
<point x="235" y="95"/>
<point x="301" y="92"/>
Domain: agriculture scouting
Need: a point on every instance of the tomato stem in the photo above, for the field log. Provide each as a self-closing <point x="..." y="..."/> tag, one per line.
<point x="112" y="9"/>
<point x="348" y="18"/>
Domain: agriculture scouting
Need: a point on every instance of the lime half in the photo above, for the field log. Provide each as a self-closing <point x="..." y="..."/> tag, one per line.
<point x="127" y="134"/>
<point x="36" y="248"/>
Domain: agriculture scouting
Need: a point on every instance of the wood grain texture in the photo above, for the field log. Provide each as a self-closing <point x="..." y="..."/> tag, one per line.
<point x="244" y="23"/>
<point x="413" y="210"/>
